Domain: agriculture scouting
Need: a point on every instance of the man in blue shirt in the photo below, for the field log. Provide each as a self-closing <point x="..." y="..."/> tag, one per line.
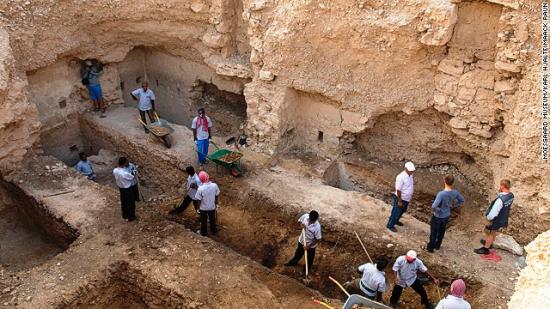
<point x="90" y="78"/>
<point x="84" y="166"/>
<point x="441" y="212"/>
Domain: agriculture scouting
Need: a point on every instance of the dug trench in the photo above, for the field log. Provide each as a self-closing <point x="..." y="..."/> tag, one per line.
<point x="256" y="227"/>
<point x="261" y="226"/>
<point x="29" y="233"/>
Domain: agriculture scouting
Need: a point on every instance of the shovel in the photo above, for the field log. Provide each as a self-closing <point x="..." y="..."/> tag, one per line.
<point x="306" y="280"/>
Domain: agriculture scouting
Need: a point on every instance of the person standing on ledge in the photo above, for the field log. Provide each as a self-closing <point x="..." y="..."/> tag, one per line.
<point x="124" y="182"/>
<point x="84" y="166"/>
<point x="497" y="214"/>
<point x="146" y="103"/>
<point x="201" y="134"/>
<point x="441" y="212"/>
<point x="207" y="194"/>
<point x="404" y="188"/>
<point x="90" y="78"/>
<point x="310" y="224"/>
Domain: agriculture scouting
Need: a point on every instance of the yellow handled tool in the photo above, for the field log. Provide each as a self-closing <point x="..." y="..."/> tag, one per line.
<point x="323" y="304"/>
<point x="305" y="251"/>
<point x="362" y="245"/>
<point x="339" y="285"/>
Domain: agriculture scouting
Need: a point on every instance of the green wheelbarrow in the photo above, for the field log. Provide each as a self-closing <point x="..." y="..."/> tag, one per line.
<point x="227" y="159"/>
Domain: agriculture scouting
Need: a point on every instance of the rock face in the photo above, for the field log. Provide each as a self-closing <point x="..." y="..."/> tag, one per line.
<point x="533" y="284"/>
<point x="508" y="243"/>
<point x="315" y="74"/>
<point x="19" y="124"/>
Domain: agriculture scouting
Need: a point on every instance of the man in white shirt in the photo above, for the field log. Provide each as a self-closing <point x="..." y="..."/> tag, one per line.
<point x="207" y="194"/>
<point x="404" y="188"/>
<point x="373" y="280"/>
<point x="146" y="102"/>
<point x="193" y="183"/>
<point x="310" y="224"/>
<point x="456" y="299"/>
<point x="497" y="216"/>
<point x="404" y="269"/>
<point x="201" y="134"/>
<point x="124" y="180"/>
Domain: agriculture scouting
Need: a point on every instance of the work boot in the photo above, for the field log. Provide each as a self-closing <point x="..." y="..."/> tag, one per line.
<point x="290" y="264"/>
<point x="429" y="306"/>
<point x="482" y="250"/>
<point x="399" y="223"/>
<point x="393" y="229"/>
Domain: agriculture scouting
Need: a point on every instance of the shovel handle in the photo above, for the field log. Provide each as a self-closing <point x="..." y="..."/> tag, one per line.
<point x="339" y="285"/>
<point x="318" y="302"/>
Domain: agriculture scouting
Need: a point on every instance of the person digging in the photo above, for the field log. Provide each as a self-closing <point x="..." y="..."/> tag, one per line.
<point x="193" y="183"/>
<point x="308" y="240"/>
<point x="373" y="279"/>
<point x="405" y="269"/>
<point x="497" y="216"/>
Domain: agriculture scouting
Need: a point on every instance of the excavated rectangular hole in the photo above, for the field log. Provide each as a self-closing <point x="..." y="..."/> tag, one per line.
<point x="254" y="226"/>
<point x="377" y="180"/>
<point x="124" y="287"/>
<point x="29" y="234"/>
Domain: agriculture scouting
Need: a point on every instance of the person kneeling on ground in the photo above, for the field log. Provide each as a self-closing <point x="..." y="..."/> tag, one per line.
<point x="207" y="194"/>
<point x="193" y="183"/>
<point x="456" y="299"/>
<point x="497" y="215"/>
<point x="441" y="212"/>
<point x="404" y="269"/>
<point x="310" y="224"/>
<point x="373" y="281"/>
<point x="127" y="196"/>
<point x="84" y="166"/>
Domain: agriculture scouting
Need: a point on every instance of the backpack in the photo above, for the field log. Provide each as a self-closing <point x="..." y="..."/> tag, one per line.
<point x="86" y="80"/>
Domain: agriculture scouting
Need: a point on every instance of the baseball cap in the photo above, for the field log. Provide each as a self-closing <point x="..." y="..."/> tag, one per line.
<point x="411" y="255"/>
<point x="409" y="166"/>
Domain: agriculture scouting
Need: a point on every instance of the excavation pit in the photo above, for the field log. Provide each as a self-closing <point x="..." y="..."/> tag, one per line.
<point x="376" y="178"/>
<point x="29" y="234"/>
<point x="124" y="287"/>
<point x="255" y="226"/>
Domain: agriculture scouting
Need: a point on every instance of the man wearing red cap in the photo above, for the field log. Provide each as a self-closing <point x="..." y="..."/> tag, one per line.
<point x="207" y="194"/>
<point x="456" y="299"/>
<point x="405" y="268"/>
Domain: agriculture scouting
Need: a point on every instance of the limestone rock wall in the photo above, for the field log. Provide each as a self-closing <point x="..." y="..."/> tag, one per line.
<point x="470" y="64"/>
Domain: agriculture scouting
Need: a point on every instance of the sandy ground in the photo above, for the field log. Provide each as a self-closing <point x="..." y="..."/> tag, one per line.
<point x="256" y="215"/>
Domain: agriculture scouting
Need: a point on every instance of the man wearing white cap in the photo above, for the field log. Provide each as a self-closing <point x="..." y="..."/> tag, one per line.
<point x="404" y="188"/>
<point x="404" y="269"/>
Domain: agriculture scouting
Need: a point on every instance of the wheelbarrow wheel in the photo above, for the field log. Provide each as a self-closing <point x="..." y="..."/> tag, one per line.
<point x="236" y="172"/>
<point x="167" y="141"/>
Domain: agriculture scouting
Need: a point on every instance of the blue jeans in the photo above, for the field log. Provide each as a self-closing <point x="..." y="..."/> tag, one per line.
<point x="437" y="232"/>
<point x="396" y="212"/>
<point x="202" y="150"/>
